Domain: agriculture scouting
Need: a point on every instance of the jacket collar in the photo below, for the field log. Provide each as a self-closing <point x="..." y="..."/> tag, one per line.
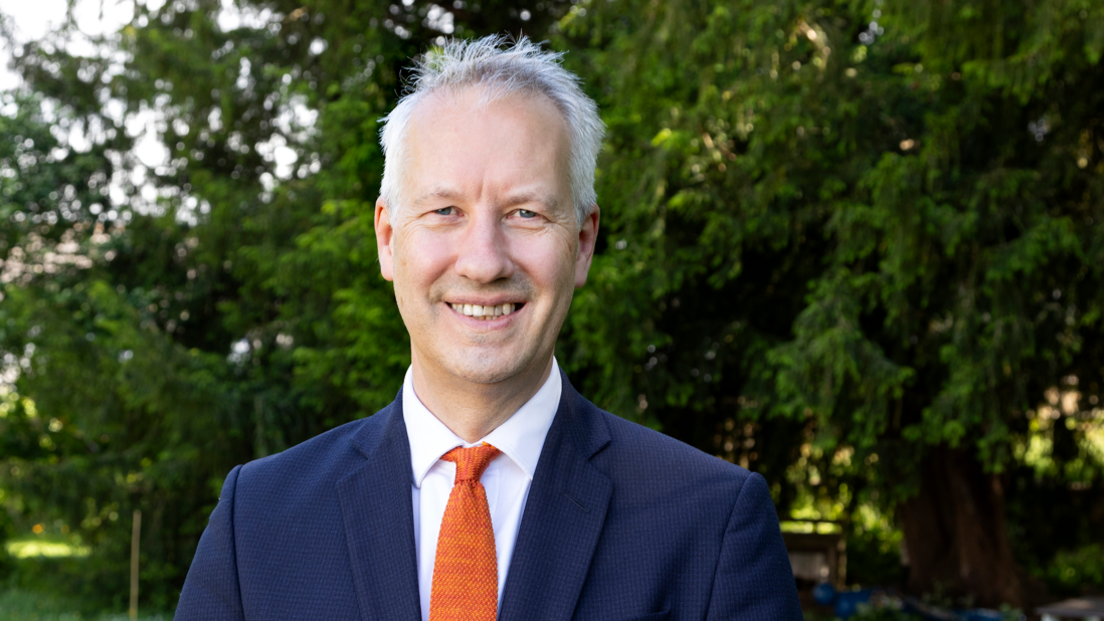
<point x="559" y="530"/>
<point x="378" y="517"/>
<point x="520" y="437"/>
<point x="563" y="516"/>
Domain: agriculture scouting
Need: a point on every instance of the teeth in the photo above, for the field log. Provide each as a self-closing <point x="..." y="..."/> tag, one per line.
<point x="484" y="312"/>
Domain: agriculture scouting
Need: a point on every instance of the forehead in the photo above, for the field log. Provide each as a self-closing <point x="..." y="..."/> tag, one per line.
<point x="459" y="142"/>
<point x="448" y="106"/>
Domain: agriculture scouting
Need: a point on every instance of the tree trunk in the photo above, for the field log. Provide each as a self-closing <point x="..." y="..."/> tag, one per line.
<point x="955" y="532"/>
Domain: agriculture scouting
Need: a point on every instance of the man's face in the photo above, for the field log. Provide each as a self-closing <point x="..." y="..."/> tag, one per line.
<point x="486" y="250"/>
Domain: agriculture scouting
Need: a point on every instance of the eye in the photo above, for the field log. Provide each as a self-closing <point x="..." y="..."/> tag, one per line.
<point x="525" y="213"/>
<point x="444" y="211"/>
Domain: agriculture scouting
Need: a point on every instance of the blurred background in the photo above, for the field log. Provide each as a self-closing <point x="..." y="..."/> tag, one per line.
<point x="854" y="245"/>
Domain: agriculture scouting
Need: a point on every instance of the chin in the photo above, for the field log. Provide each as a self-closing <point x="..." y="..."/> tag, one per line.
<point x="488" y="367"/>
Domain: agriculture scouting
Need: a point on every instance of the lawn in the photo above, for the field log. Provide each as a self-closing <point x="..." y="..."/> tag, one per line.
<point x="38" y="603"/>
<point x="22" y="605"/>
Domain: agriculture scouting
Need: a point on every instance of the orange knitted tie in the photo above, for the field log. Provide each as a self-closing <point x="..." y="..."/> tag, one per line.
<point x="465" y="571"/>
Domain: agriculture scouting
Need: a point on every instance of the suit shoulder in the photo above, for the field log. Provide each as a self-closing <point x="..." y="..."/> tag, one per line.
<point x="636" y="444"/>
<point x="323" y="458"/>
<point x="674" y="482"/>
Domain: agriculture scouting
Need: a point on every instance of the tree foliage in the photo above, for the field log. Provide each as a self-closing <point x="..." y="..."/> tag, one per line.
<point x="855" y="246"/>
<point x="882" y="220"/>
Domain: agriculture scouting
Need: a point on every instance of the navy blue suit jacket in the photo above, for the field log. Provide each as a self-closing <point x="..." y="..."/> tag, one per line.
<point x="622" y="524"/>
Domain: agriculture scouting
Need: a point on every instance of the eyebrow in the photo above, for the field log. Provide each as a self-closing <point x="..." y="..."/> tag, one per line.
<point x="438" y="192"/>
<point x="519" y="198"/>
<point x="531" y="197"/>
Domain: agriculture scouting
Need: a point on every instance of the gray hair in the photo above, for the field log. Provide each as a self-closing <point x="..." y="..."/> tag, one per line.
<point x="500" y="69"/>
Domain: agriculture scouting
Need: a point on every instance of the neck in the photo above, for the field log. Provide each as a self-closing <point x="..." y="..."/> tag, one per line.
<point x="472" y="410"/>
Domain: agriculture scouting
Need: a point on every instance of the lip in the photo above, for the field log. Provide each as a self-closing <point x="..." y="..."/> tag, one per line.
<point x="497" y="322"/>
<point x="485" y="301"/>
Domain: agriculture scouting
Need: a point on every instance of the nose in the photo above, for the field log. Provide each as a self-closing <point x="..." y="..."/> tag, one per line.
<point x="483" y="255"/>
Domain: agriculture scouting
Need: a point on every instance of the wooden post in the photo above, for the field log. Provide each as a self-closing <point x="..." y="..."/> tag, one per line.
<point x="135" y="537"/>
<point x="841" y="557"/>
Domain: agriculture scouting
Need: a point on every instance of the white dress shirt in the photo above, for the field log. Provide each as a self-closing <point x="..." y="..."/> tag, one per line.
<point x="507" y="478"/>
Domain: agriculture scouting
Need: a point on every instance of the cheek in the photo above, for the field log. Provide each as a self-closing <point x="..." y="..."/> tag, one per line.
<point x="549" y="259"/>
<point x="420" y="259"/>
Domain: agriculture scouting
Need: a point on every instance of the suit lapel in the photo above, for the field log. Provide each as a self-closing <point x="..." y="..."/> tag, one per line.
<point x="379" y="520"/>
<point x="563" y="517"/>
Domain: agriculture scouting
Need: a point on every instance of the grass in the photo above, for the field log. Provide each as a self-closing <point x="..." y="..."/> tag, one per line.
<point x="22" y="605"/>
<point x="45" y="547"/>
<point x="49" y="583"/>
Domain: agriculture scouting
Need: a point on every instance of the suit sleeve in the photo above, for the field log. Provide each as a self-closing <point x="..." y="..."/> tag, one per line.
<point x="754" y="579"/>
<point x="211" y="590"/>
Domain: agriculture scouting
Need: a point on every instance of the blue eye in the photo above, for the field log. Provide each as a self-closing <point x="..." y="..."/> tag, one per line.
<point x="525" y="213"/>
<point x="444" y="211"/>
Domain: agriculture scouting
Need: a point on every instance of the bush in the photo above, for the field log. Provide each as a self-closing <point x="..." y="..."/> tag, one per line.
<point x="874" y="558"/>
<point x="1077" y="572"/>
<point x="867" y="613"/>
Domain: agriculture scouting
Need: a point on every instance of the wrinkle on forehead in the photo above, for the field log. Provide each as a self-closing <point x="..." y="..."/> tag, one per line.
<point x="442" y="192"/>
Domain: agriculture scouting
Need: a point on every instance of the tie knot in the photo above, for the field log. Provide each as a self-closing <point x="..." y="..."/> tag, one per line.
<point x="471" y="462"/>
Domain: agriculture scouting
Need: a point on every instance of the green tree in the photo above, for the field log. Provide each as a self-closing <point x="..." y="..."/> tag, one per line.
<point x="854" y="246"/>
<point x="101" y="412"/>
<point x="873" y="230"/>
<point x="227" y="303"/>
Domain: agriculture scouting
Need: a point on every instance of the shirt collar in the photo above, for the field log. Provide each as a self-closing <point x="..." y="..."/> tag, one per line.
<point x="520" y="438"/>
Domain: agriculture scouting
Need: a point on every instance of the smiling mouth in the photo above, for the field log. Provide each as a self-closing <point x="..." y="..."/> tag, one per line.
<point x="486" y="313"/>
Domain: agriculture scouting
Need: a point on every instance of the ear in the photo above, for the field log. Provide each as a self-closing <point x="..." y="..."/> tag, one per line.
<point x="385" y="236"/>
<point x="588" y="237"/>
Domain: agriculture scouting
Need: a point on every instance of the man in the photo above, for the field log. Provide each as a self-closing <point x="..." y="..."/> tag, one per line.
<point x="490" y="488"/>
